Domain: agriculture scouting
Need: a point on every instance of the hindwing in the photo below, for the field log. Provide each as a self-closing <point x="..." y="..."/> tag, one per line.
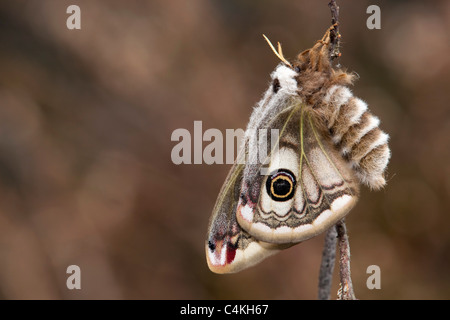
<point x="309" y="188"/>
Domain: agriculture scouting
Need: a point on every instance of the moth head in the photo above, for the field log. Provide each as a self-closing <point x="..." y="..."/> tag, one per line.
<point x="312" y="71"/>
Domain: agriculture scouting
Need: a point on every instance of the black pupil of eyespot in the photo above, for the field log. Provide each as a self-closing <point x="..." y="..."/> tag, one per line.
<point x="280" y="185"/>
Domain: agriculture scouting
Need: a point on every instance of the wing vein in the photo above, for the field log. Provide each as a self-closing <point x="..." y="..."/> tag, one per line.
<point x="302" y="154"/>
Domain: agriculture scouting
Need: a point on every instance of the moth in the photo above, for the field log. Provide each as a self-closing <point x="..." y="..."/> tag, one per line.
<point x="328" y="144"/>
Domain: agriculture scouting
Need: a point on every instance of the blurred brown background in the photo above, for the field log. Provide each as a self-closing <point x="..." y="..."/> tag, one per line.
<point x="86" y="118"/>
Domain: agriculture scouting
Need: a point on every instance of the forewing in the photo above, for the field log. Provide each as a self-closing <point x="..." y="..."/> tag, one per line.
<point x="228" y="247"/>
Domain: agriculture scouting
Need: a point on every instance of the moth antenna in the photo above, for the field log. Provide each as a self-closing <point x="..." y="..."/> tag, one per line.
<point x="278" y="53"/>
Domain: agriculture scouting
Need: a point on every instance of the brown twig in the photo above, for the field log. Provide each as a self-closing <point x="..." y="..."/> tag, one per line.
<point x="338" y="233"/>
<point x="346" y="289"/>
<point x="327" y="265"/>
<point x="334" y="33"/>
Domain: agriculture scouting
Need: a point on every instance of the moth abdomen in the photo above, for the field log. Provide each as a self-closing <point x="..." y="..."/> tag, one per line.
<point x="355" y="132"/>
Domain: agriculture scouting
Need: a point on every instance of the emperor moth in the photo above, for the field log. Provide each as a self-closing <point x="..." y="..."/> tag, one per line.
<point x="328" y="144"/>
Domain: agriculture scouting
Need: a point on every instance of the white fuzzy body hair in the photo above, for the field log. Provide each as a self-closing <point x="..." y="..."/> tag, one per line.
<point x="272" y="103"/>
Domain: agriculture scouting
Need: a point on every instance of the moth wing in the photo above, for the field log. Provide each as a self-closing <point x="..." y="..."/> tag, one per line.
<point x="309" y="188"/>
<point x="228" y="247"/>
